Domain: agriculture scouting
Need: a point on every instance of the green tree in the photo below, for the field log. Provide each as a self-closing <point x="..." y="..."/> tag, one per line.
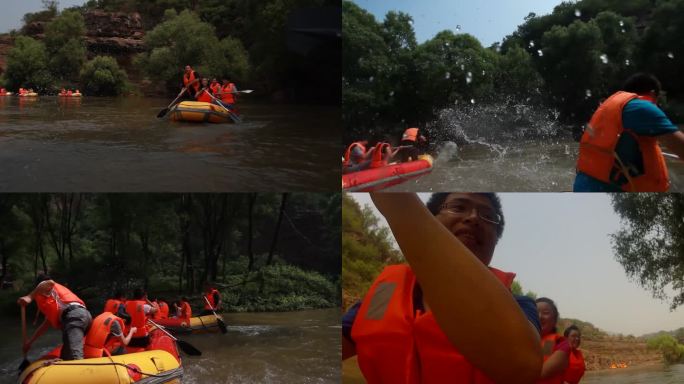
<point x="103" y="77"/>
<point x="183" y="39"/>
<point x="650" y="243"/>
<point x="672" y="351"/>
<point x="27" y="65"/>
<point x="64" y="41"/>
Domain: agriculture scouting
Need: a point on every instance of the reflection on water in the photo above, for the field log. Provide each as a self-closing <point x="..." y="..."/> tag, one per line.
<point x="117" y="144"/>
<point x="653" y="375"/>
<point x="292" y="347"/>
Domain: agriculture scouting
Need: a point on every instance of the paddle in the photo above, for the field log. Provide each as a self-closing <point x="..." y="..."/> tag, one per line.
<point x="671" y="155"/>
<point x="24" y="363"/>
<point x="184" y="345"/>
<point x="166" y="110"/>
<point x="232" y="114"/>
<point x="245" y="91"/>
<point x="221" y="324"/>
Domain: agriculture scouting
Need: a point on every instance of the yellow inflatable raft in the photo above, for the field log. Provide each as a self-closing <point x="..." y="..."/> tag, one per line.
<point x="32" y="94"/>
<point x="147" y="367"/>
<point x="72" y="95"/>
<point x="199" y="111"/>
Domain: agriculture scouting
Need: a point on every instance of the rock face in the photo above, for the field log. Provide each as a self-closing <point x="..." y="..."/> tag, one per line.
<point x="6" y="43"/>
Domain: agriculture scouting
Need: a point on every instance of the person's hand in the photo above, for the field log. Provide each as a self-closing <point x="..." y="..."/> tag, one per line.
<point x="134" y="329"/>
<point x="24" y="300"/>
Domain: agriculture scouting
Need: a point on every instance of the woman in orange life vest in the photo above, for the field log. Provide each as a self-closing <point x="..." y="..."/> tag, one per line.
<point x="183" y="309"/>
<point x="163" y="312"/>
<point x="117" y="301"/>
<point x="204" y="92"/>
<point x="228" y="95"/>
<point x="619" y="149"/>
<point x="383" y="155"/>
<point x="62" y="310"/>
<point x="191" y="82"/>
<point x="446" y="316"/>
<point x="555" y="348"/>
<point x="139" y="309"/>
<point x="356" y="157"/>
<point x="106" y="329"/>
<point x="214" y="298"/>
<point x="576" y="366"/>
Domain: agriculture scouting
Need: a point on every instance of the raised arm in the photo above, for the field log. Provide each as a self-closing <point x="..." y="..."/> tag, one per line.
<point x="476" y="312"/>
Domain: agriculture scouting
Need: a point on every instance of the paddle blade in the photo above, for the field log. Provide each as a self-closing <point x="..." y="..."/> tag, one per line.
<point x="24" y="364"/>
<point x="247" y="91"/>
<point x="162" y="113"/>
<point x="222" y="326"/>
<point x="188" y="348"/>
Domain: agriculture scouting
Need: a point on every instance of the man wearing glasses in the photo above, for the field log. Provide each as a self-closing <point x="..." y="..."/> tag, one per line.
<point x="446" y="316"/>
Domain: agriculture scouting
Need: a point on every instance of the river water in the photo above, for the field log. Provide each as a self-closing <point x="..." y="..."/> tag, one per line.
<point x="117" y="144"/>
<point x="288" y="347"/>
<point x="505" y="147"/>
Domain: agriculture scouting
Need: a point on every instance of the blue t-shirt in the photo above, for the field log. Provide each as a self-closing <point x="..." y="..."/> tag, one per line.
<point x="642" y="118"/>
<point x="528" y="306"/>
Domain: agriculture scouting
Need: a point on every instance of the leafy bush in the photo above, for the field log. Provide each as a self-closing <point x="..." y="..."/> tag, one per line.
<point x="103" y="77"/>
<point x="64" y="43"/>
<point x="672" y="351"/>
<point x="27" y="65"/>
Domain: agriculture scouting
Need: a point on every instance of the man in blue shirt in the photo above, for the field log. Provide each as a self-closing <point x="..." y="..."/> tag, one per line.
<point x="641" y="118"/>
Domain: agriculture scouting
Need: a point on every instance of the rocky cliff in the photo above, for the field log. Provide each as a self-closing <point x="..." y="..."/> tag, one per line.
<point x="115" y="34"/>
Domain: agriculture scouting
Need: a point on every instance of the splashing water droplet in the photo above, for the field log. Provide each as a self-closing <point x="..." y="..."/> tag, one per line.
<point x="604" y="58"/>
<point x="472" y="101"/>
<point x="462" y="67"/>
<point x="391" y="93"/>
<point x="531" y="43"/>
<point x="578" y="13"/>
<point x="622" y="23"/>
<point x="411" y="22"/>
<point x="626" y="61"/>
<point x="483" y="73"/>
<point x="588" y="93"/>
<point x="469" y="77"/>
<point x="371" y="79"/>
<point x="447" y="75"/>
<point x="458" y="27"/>
<point x="446" y="44"/>
<point x="540" y="53"/>
<point x="670" y="55"/>
<point x="623" y="30"/>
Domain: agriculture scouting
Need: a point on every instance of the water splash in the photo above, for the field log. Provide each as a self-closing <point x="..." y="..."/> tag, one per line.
<point x="604" y="58"/>
<point x="531" y="45"/>
<point x="670" y="55"/>
<point x="540" y="53"/>
<point x="578" y="13"/>
<point x="469" y="77"/>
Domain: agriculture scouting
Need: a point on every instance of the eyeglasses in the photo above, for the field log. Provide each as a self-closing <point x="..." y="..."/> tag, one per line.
<point x="465" y="209"/>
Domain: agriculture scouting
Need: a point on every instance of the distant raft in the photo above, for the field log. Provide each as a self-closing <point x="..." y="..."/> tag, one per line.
<point x="198" y="324"/>
<point x="375" y="179"/>
<point x="199" y="112"/>
<point x="70" y="95"/>
<point x="31" y="94"/>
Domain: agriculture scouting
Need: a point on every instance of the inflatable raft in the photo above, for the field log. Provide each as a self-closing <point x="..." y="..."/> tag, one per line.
<point x="200" y="112"/>
<point x="392" y="174"/>
<point x="72" y="95"/>
<point x="198" y="324"/>
<point x="32" y="94"/>
<point x="159" y="364"/>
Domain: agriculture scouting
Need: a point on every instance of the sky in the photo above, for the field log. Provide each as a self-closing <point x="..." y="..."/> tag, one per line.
<point x="14" y="10"/>
<point x="488" y="20"/>
<point x="558" y="245"/>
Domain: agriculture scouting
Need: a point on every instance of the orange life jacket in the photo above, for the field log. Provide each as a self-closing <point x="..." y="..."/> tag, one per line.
<point x="396" y="345"/>
<point x="597" y="157"/>
<point x="576" y="367"/>
<point x="379" y="160"/>
<point x="112" y="305"/>
<point x="215" y="88"/>
<point x="548" y="342"/>
<point x="210" y="297"/>
<point x="49" y="307"/>
<point x="347" y="153"/>
<point x="204" y="96"/>
<point x="163" y="312"/>
<point x="228" y="97"/>
<point x="186" y="310"/>
<point x="411" y="134"/>
<point x="98" y="333"/>
<point x="135" y="309"/>
<point x="189" y="78"/>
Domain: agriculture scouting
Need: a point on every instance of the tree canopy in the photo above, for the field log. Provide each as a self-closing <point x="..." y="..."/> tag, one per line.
<point x="650" y="244"/>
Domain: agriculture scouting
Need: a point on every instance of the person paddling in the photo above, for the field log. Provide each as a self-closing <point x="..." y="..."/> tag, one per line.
<point x="63" y="310"/>
<point x="228" y="94"/>
<point x="204" y="93"/>
<point x="190" y="81"/>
